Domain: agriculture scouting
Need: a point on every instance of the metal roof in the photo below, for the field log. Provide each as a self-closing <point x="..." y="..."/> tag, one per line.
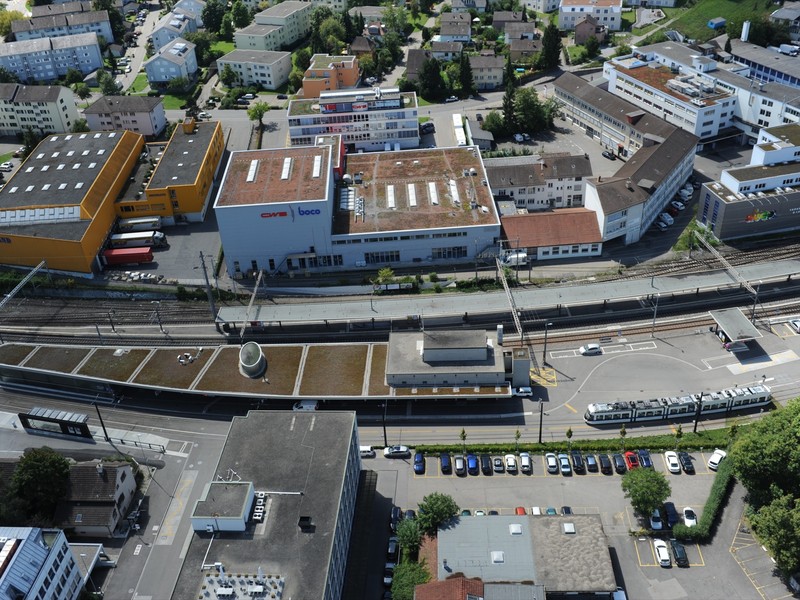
<point x="736" y="326"/>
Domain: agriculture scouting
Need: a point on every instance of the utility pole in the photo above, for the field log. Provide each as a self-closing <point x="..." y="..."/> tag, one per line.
<point x="655" y="313"/>
<point x="208" y="287"/>
<point x="541" y="414"/>
<point x="102" y="424"/>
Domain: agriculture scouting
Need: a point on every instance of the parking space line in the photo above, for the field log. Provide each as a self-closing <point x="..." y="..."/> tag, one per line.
<point x="569" y="407"/>
<point x="702" y="562"/>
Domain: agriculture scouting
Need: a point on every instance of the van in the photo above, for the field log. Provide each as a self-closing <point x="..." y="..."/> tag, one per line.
<point x="366" y="452"/>
<point x="535" y="510"/>
<point x="305" y="405"/>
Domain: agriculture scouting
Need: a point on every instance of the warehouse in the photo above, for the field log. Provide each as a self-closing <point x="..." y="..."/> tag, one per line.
<point x="311" y="208"/>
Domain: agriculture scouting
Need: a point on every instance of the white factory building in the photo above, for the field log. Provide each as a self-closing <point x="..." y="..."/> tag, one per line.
<point x="309" y="208"/>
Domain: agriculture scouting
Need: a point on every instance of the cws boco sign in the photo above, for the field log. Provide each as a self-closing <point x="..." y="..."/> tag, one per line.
<point x="303" y="212"/>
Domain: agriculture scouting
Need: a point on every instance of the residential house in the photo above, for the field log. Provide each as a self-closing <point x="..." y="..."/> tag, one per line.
<point x="587" y="28"/>
<point x="292" y="16"/>
<point x="503" y="17"/>
<point x="370" y="13"/>
<point x="455" y="588"/>
<point x="172" y="26"/>
<point x="44" y="108"/>
<point x="480" y="137"/>
<point x="260" y="37"/>
<point x="193" y="8"/>
<point x="520" y="31"/>
<point x="556" y="234"/>
<point x="375" y="30"/>
<point x="362" y="46"/>
<point x="327" y="73"/>
<point x="255" y="67"/>
<point x="522" y="49"/>
<point x="464" y="6"/>
<point x="74" y="6"/>
<point x="176" y="59"/>
<point x="97" y="499"/>
<point x="607" y="12"/>
<point x="414" y="61"/>
<point x="446" y="51"/>
<point x="57" y="25"/>
<point x="487" y="71"/>
<point x="454" y="32"/>
<point x="48" y="59"/>
<point x="142" y="114"/>
<point x="543" y="6"/>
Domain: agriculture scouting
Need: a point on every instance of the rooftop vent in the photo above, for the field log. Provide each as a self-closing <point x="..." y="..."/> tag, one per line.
<point x="569" y="528"/>
<point x="305" y="524"/>
<point x="498" y="557"/>
<point x="515" y="529"/>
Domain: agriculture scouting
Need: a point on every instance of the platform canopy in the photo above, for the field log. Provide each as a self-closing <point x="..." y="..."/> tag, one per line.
<point x="736" y="326"/>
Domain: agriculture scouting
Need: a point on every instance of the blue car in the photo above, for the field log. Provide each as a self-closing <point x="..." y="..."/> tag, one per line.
<point x="472" y="464"/>
<point x="419" y="463"/>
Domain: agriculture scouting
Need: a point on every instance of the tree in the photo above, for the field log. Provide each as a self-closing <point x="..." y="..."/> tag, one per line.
<point x="465" y="78"/>
<point x="385" y="275"/>
<point x="81" y="90"/>
<point x="6" y="17"/>
<point x="177" y="85"/>
<point x="436" y="508"/>
<point x="778" y="526"/>
<point x="256" y="112"/>
<point x="569" y="437"/>
<point x="622" y="433"/>
<point x="431" y="84"/>
<point x="407" y="576"/>
<point x="73" y="76"/>
<point x="528" y="111"/>
<point x="509" y="116"/>
<point x="212" y="15"/>
<point x="349" y="27"/>
<point x="728" y="46"/>
<point x="524" y="14"/>
<point x="592" y="46"/>
<point x="295" y="80"/>
<point x="31" y="139"/>
<point x="550" y="56"/>
<point x="228" y="76"/>
<point x="320" y="13"/>
<point x="80" y="126"/>
<point x="509" y="71"/>
<point x="395" y="19"/>
<point x="108" y="87"/>
<point x="7" y="76"/>
<point x="227" y="28"/>
<point x="203" y="40"/>
<point x="678" y="435"/>
<point x="40" y="480"/>
<point x="622" y="50"/>
<point x="647" y="489"/>
<point x="240" y="15"/>
<point x="493" y="123"/>
<point x="517" y="435"/>
<point x="426" y="35"/>
<point x="302" y="58"/>
<point x="409" y="535"/>
<point x="463" y="437"/>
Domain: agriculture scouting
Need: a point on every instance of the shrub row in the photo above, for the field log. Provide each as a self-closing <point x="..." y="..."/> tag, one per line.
<point x="717" y="499"/>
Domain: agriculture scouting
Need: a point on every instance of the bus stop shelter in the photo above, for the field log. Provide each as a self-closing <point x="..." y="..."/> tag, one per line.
<point x="734" y="328"/>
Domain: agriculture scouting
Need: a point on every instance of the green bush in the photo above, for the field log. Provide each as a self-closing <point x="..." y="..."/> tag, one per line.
<point x="717" y="498"/>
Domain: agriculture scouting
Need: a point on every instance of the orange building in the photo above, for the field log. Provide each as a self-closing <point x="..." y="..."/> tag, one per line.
<point x="327" y="73"/>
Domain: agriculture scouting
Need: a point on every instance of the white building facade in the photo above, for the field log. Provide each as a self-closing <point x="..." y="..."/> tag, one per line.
<point x="49" y="109"/>
<point x="64" y="24"/>
<point x="257" y="67"/>
<point x="142" y="114"/>
<point x="48" y="59"/>
<point x="606" y="12"/>
<point x="292" y="16"/>
<point x="171" y="27"/>
<point x="176" y="59"/>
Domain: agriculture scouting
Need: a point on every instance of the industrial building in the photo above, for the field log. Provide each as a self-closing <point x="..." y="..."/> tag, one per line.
<point x="308" y="208"/>
<point x="367" y="119"/>
<point x="62" y="202"/>
<point x="301" y="469"/>
<point x="761" y="198"/>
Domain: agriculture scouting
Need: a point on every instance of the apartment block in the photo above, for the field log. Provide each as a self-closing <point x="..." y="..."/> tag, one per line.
<point x="326" y="73"/>
<point x="47" y="59"/>
<point x="49" y="108"/>
<point x="255" y="67"/>
<point x="605" y="12"/>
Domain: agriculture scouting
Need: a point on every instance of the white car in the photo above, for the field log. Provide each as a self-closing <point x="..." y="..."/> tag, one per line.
<point x="480" y="513"/>
<point x="661" y="225"/>
<point x="677" y="205"/>
<point x="662" y="553"/>
<point x="716" y="458"/>
<point x="656" y="524"/>
<point x="590" y="349"/>
<point x="525" y="464"/>
<point x="689" y="517"/>
<point x="671" y="458"/>
<point x="511" y="463"/>
<point x="128" y="69"/>
<point x="563" y="461"/>
<point x="795" y="324"/>
<point x="552" y="462"/>
<point x="7" y="166"/>
<point x="524" y="392"/>
<point x="518" y="138"/>
<point x="397" y="452"/>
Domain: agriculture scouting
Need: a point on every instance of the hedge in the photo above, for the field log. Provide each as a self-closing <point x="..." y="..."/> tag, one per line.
<point x="717" y="499"/>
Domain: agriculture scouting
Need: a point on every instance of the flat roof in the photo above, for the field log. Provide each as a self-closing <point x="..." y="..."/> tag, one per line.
<point x="735" y="325"/>
<point x="257" y="176"/>
<point x="424" y="185"/>
<point x="404" y="356"/>
<point x="748" y="173"/>
<point x="467" y="338"/>
<point x="310" y="106"/>
<point x="223" y="499"/>
<point x="301" y="460"/>
<point x="571" y="562"/>
<point x="768" y="58"/>
<point x="789" y="133"/>
<point x="184" y="155"/>
<point x="659" y="77"/>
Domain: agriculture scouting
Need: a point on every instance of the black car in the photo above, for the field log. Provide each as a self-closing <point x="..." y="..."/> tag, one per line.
<point x="605" y="464"/>
<point x="672" y="514"/>
<point x="478" y="117"/>
<point x="410" y="514"/>
<point x="566" y="510"/>
<point x="609" y="155"/>
<point x="577" y="461"/>
<point x="686" y="462"/>
<point x="619" y="463"/>
<point x="591" y="463"/>
<point x="446" y="463"/>
<point x="644" y="459"/>
<point x="283" y="97"/>
<point x="394" y="517"/>
<point x="679" y="552"/>
<point x="486" y="464"/>
<point x="392" y="549"/>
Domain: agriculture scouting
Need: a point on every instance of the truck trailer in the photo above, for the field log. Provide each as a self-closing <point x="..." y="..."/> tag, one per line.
<point x="139" y="224"/>
<point x="127" y="256"/>
<point x="138" y="239"/>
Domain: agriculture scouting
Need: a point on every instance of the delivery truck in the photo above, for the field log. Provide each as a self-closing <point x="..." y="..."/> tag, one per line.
<point x="138" y="239"/>
<point x="139" y="224"/>
<point x="127" y="256"/>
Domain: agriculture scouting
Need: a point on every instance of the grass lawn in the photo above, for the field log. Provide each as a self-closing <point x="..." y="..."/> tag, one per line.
<point x="628" y="19"/>
<point x="224" y="47"/>
<point x="6" y="157"/>
<point x="692" y="23"/>
<point x="57" y="358"/>
<point x="576" y="54"/>
<point x="423" y="102"/>
<point x="139" y="84"/>
<point x="173" y="102"/>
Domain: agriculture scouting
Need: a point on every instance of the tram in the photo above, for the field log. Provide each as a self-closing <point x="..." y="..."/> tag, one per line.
<point x="662" y="409"/>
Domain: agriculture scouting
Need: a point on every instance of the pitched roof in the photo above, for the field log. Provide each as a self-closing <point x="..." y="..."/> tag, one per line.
<point x="587" y="19"/>
<point x="88" y="484"/>
<point x="361" y="44"/>
<point x="559" y="227"/>
<point x="414" y="61"/>
<point x="112" y="104"/>
<point x="54" y="21"/>
<point x="456" y="588"/>
<point x="447" y="46"/>
<point x="525" y="45"/>
<point x="452" y="17"/>
<point x="529" y="170"/>
<point x="486" y="62"/>
<point x="61" y="9"/>
<point x="15" y="92"/>
<point x="518" y="28"/>
<point x="456" y="28"/>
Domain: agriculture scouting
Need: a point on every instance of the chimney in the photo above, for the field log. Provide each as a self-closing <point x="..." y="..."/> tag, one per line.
<point x="99" y="468"/>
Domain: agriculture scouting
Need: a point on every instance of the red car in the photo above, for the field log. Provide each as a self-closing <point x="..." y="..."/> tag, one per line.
<point x="631" y="460"/>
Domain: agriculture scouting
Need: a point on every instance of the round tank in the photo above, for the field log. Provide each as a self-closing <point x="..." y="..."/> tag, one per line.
<point x="251" y="360"/>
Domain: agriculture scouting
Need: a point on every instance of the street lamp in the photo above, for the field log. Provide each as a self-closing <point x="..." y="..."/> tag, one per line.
<point x="111" y="320"/>
<point x="141" y="447"/>
<point x="385" y="407"/>
<point x="158" y="315"/>
<point x="753" y="316"/>
<point x="655" y="313"/>
<point x="541" y="415"/>
<point x="88" y="575"/>
<point x="544" y="354"/>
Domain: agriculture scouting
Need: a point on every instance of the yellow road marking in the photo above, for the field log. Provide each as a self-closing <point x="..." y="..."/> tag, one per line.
<point x="569" y="407"/>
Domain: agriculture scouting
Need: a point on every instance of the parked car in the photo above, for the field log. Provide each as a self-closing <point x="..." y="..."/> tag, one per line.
<point x="662" y="553"/>
<point x="518" y="138"/>
<point x="203" y="115"/>
<point x="673" y="464"/>
<point x="686" y="462"/>
<point x="661" y="225"/>
<point x="566" y="510"/>
<point x="644" y="459"/>
<point x="486" y="464"/>
<point x="461" y="466"/>
<point x="795" y="324"/>
<point x="282" y="97"/>
<point x="677" y="204"/>
<point x="394" y="517"/>
<point x="563" y="461"/>
<point x="525" y="464"/>
<point x="397" y="452"/>
<point x="451" y="99"/>
<point x="392" y="550"/>
<point x="656" y="524"/>
<point x="631" y="460"/>
<point x="619" y="463"/>
<point x="689" y="517"/>
<point x="577" y="461"/>
<point x="445" y="464"/>
<point x="522" y="392"/>
<point x="499" y="466"/>
<point x="667" y="218"/>
<point x="466" y="513"/>
<point x="6" y="166"/>
<point x="591" y="463"/>
<point x="480" y="513"/>
<point x="551" y="511"/>
<point x="609" y="155"/>
<point x="478" y="117"/>
<point x="249" y="96"/>
<point x="388" y="574"/>
<point x="590" y="349"/>
<point x="520" y="510"/>
<point x="672" y="211"/>
<point x="605" y="464"/>
<point x="716" y="458"/>
<point x="511" y="463"/>
<point x="472" y="464"/>
<point x="419" y="463"/>
<point x="552" y="462"/>
<point x="679" y="552"/>
<point x="671" y="514"/>
<point x="410" y="514"/>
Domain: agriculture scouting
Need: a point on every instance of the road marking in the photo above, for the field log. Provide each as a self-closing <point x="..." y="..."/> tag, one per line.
<point x="176" y="508"/>
<point x="569" y="407"/>
<point x="137" y="550"/>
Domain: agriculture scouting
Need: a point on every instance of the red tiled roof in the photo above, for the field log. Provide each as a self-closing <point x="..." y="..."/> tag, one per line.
<point x="560" y="227"/>
<point x="449" y="589"/>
